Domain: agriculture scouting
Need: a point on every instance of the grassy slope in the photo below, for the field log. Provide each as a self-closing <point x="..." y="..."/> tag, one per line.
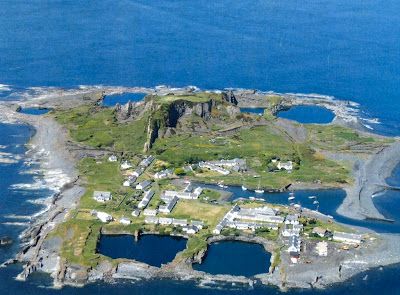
<point x="97" y="127"/>
<point x="257" y="145"/>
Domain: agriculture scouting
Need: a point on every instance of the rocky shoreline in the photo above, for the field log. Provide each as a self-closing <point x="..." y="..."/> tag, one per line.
<point x="42" y="253"/>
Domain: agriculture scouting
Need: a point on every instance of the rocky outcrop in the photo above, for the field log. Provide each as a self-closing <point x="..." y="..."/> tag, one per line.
<point x="5" y="241"/>
<point x="167" y="119"/>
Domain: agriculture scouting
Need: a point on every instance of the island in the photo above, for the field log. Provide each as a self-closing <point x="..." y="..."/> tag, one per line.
<point x="167" y="165"/>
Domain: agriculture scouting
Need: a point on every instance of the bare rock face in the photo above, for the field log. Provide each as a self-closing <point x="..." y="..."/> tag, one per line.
<point x="5" y="241"/>
<point x="123" y="112"/>
<point x="76" y="275"/>
<point x="232" y="111"/>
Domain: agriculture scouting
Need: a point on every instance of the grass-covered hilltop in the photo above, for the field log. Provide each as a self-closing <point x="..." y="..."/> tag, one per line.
<point x="182" y="130"/>
<point x="153" y="166"/>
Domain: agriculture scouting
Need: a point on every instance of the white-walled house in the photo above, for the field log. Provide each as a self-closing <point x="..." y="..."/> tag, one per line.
<point x="126" y="165"/>
<point x="104" y="217"/>
<point x="150" y="212"/>
<point x="126" y="183"/>
<point x="347" y="238"/>
<point x="148" y="195"/>
<point x="136" y="213"/>
<point x="125" y="221"/>
<point x="101" y="196"/>
<point x="112" y="158"/>
<point x="147" y="161"/>
<point x="285" y="165"/>
<point x="143" y="185"/>
<point x="151" y="220"/>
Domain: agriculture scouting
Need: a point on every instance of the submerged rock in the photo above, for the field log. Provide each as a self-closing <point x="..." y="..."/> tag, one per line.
<point x="5" y="241"/>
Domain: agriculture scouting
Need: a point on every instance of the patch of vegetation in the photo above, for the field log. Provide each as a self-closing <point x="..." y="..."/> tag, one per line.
<point x="210" y="195"/>
<point x="266" y="233"/>
<point x="199" y="97"/>
<point x="195" y="244"/>
<point x="197" y="210"/>
<point x="334" y="137"/>
<point x="310" y="223"/>
<point x="79" y="241"/>
<point x="98" y="127"/>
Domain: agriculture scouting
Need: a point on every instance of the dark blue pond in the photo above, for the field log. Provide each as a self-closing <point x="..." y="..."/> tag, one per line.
<point x="112" y="100"/>
<point x="151" y="249"/>
<point x="258" y="111"/>
<point x="34" y="111"/>
<point x="235" y="258"/>
<point x="308" y="114"/>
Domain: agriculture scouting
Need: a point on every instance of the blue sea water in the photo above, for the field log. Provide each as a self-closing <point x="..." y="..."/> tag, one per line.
<point x="235" y="258"/>
<point x="308" y="114"/>
<point x="347" y="49"/>
<point x="34" y="111"/>
<point x="112" y="100"/>
<point x="258" y="111"/>
<point x="154" y="250"/>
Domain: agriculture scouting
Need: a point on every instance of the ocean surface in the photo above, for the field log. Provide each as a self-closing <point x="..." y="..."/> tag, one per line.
<point x="346" y="49"/>
<point x="308" y="114"/>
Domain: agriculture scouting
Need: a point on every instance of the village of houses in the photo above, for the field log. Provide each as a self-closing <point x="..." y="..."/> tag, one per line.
<point x="288" y="226"/>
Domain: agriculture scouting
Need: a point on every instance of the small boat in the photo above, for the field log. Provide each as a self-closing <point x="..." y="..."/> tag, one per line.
<point x="244" y="188"/>
<point x="312" y="197"/>
<point x="221" y="185"/>
<point x="315" y="202"/>
<point x="291" y="198"/>
<point x="258" y="190"/>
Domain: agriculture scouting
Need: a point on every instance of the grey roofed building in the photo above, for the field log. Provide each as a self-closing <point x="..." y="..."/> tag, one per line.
<point x="138" y="171"/>
<point x="190" y="229"/>
<point x="151" y="219"/>
<point x="197" y="223"/>
<point x="150" y="212"/>
<point x="321" y="232"/>
<point x="294" y="245"/>
<point x="163" y="174"/>
<point x="347" y="237"/>
<point x="136" y="212"/>
<point x="292" y="219"/>
<point x="179" y="222"/>
<point x="167" y="208"/>
<point x="101" y="196"/>
<point x="147" y="161"/>
<point x="143" y="185"/>
<point x="165" y="220"/>
<point x="148" y="195"/>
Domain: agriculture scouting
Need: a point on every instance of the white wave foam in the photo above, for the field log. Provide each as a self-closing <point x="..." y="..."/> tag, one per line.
<point x="14" y="216"/>
<point x="38" y="185"/>
<point x="5" y="87"/>
<point x="37" y="214"/>
<point x="368" y="126"/>
<point x="16" y="223"/>
<point x="371" y="120"/>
